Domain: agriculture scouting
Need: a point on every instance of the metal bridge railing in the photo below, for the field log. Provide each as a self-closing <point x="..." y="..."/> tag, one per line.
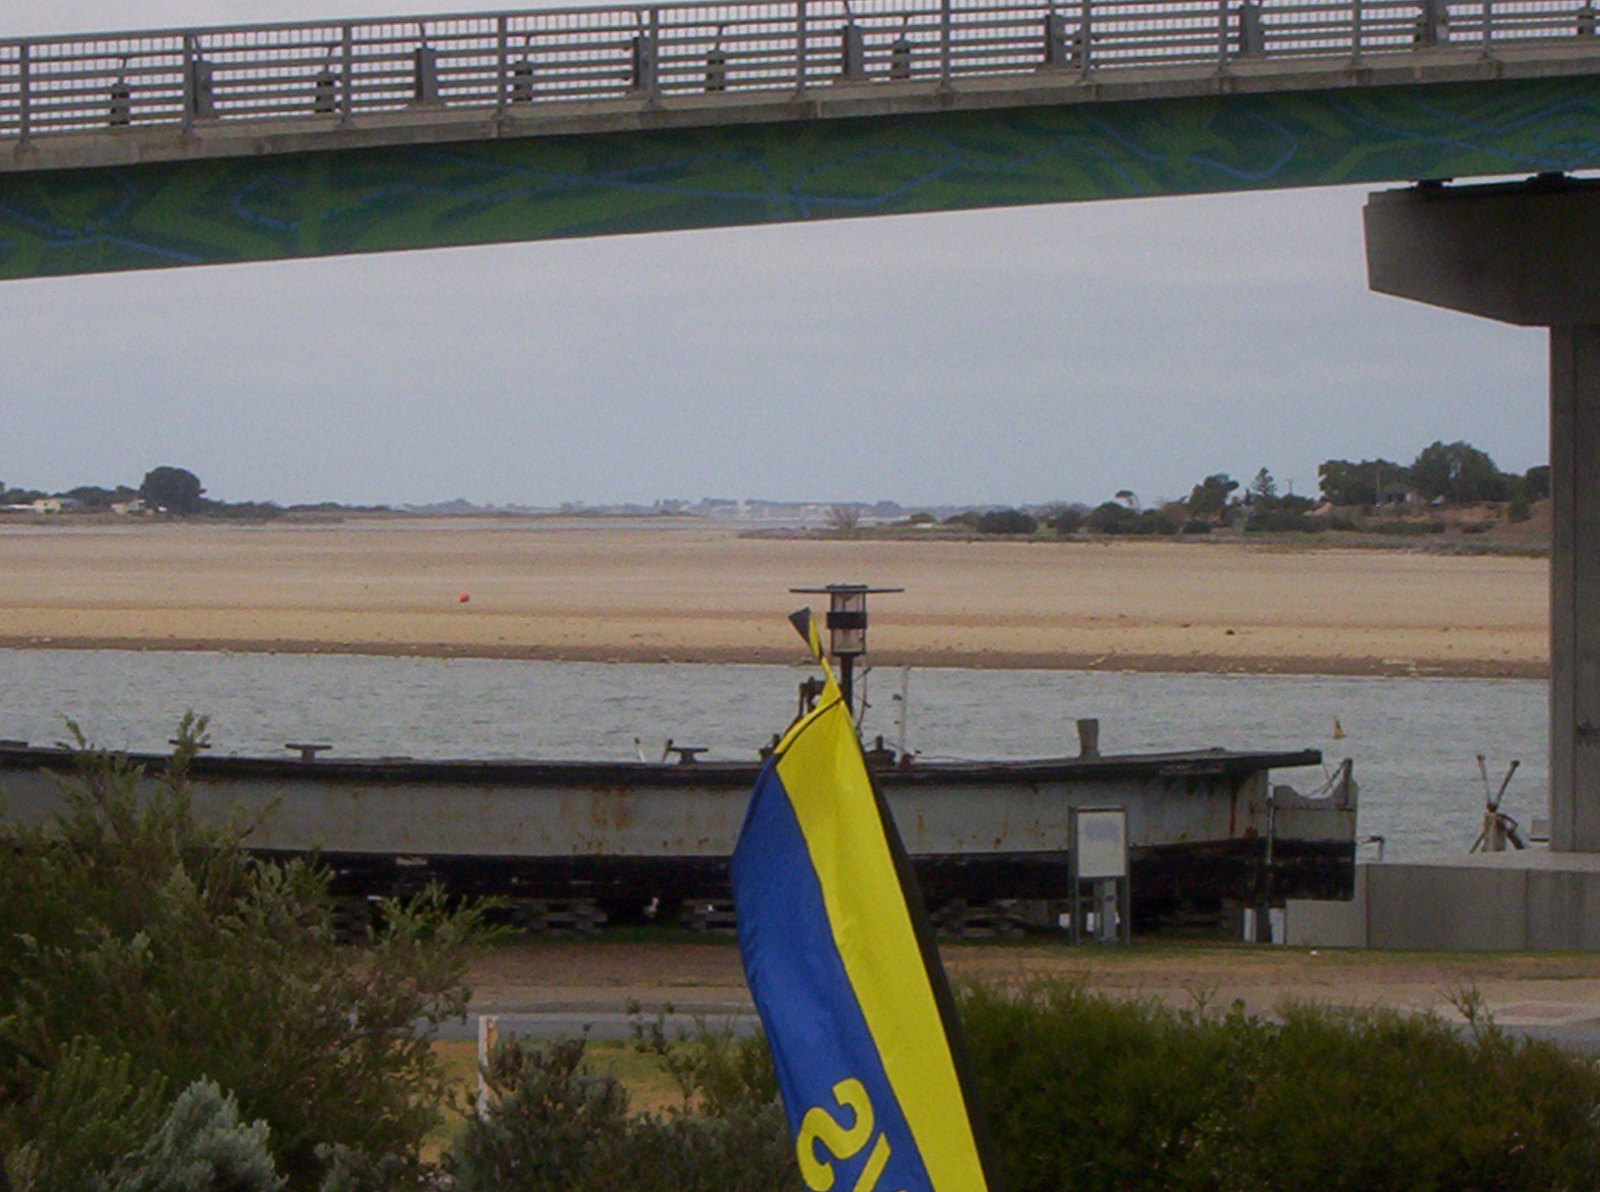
<point x="509" y="61"/>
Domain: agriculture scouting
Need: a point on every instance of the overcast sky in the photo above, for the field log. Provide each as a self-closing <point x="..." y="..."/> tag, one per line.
<point x="1011" y="356"/>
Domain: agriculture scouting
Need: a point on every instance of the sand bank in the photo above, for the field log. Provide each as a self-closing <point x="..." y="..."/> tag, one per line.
<point x="692" y="592"/>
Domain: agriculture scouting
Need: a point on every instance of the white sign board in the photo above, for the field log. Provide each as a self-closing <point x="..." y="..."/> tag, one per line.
<point x="1102" y="842"/>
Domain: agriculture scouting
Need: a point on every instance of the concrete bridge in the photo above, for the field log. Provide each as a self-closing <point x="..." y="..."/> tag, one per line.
<point x="251" y="143"/>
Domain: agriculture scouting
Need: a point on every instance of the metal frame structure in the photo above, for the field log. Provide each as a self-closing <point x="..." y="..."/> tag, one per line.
<point x="509" y="62"/>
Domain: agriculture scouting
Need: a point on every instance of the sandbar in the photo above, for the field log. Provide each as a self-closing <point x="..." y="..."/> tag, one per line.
<point x="693" y="591"/>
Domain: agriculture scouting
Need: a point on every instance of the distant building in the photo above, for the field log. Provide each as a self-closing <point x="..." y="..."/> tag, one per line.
<point x="57" y="505"/>
<point x="133" y="508"/>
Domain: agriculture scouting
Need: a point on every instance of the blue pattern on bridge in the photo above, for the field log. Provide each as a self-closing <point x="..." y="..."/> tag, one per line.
<point x="373" y="200"/>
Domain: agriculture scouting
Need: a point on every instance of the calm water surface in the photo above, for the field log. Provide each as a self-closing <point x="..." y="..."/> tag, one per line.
<point x="1413" y="740"/>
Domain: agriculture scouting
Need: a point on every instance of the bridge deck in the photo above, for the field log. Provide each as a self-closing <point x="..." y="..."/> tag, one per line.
<point x="113" y="99"/>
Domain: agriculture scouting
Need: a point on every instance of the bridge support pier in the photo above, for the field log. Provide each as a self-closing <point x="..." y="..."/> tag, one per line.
<point x="1529" y="253"/>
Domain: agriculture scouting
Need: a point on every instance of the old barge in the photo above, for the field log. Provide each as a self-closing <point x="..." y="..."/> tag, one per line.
<point x="1205" y="828"/>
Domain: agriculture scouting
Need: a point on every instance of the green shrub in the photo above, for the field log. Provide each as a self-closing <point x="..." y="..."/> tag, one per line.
<point x="137" y="944"/>
<point x="1113" y="517"/>
<point x="1006" y="521"/>
<point x="1110" y="517"/>
<point x="1408" y="528"/>
<point x="1068" y="519"/>
<point x="1408" y="1101"/>
<point x="552" y="1119"/>
<point x="1281" y="521"/>
<point x="1086" y="1093"/>
<point x="202" y="1147"/>
<point x="556" y="1126"/>
<point x="68" y="1118"/>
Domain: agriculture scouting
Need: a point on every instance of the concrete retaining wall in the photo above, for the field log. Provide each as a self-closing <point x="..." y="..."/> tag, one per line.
<point x="1504" y="902"/>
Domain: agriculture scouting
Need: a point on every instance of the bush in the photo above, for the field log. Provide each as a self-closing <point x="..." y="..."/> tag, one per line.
<point x="556" y="1126"/>
<point x="1086" y="1093"/>
<point x="70" y="1119"/>
<point x="1110" y="517"/>
<point x="1281" y="521"/>
<point x="1113" y="517"/>
<point x="1409" y="528"/>
<point x="244" y="510"/>
<point x="1006" y="521"/>
<point x="140" y="951"/>
<point x="1091" y="1094"/>
<point x="1068" y="519"/>
<point x="551" y="1120"/>
<point x="203" y="1147"/>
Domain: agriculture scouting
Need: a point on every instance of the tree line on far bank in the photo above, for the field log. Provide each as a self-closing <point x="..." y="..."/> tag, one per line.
<point x="1443" y="475"/>
<point x="169" y="490"/>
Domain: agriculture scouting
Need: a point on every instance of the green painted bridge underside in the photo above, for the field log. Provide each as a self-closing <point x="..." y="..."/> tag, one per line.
<point x="324" y="204"/>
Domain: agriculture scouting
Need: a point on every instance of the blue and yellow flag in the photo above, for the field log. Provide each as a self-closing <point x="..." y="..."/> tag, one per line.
<point x="854" y="1009"/>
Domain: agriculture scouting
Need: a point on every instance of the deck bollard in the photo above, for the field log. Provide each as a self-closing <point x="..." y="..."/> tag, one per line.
<point x="1433" y="24"/>
<point x="900" y="57"/>
<point x="1056" y="50"/>
<point x="325" y="101"/>
<point x="121" y="114"/>
<point x="852" y="52"/>
<point x="1252" y="35"/>
<point x="202" y="89"/>
<point x="425" y="74"/>
<point x="522" y="80"/>
<point x="642" y="64"/>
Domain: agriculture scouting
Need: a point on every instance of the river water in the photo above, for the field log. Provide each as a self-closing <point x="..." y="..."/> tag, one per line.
<point x="1414" y="740"/>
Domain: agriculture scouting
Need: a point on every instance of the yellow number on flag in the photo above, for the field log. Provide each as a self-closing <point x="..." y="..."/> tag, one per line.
<point x="842" y="1143"/>
<point x="876" y="1162"/>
